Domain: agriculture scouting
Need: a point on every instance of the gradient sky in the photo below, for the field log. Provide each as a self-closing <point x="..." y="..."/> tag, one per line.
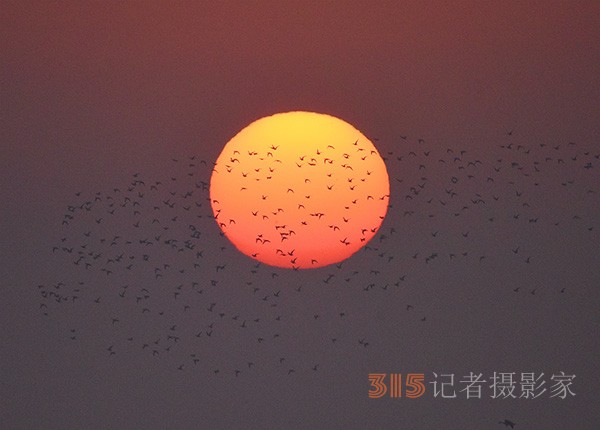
<point x="93" y="92"/>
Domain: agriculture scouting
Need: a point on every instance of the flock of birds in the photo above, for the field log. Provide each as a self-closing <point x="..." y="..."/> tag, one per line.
<point x="149" y="262"/>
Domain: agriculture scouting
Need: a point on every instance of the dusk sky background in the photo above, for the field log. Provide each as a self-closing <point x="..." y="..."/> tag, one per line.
<point x="93" y="92"/>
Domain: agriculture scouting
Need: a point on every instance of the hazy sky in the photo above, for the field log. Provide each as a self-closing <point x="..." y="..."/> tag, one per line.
<point x="93" y="92"/>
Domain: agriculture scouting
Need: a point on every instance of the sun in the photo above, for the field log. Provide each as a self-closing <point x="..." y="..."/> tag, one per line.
<point x="299" y="190"/>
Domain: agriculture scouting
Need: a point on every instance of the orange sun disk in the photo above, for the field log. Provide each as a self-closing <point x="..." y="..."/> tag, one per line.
<point x="299" y="190"/>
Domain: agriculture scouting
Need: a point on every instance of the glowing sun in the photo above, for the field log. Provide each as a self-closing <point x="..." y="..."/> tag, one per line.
<point x="299" y="190"/>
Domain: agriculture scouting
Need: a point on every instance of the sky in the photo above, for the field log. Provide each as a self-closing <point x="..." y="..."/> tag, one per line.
<point x="93" y="93"/>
